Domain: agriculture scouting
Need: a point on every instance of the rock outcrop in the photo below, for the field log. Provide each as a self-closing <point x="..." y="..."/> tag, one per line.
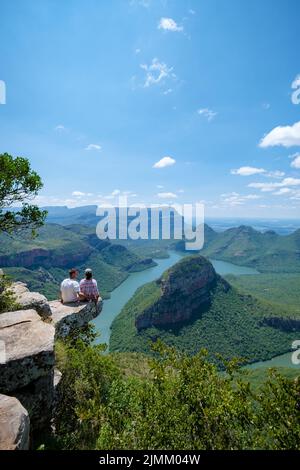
<point x="14" y="424"/>
<point x="31" y="300"/>
<point x="27" y="361"/>
<point x="45" y="258"/>
<point x="29" y="349"/>
<point x="184" y="288"/>
<point x="68" y="317"/>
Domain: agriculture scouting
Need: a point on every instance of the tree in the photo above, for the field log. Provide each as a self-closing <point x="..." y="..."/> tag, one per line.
<point x="18" y="185"/>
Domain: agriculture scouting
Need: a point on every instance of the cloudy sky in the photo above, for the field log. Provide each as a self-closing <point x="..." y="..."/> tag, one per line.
<point x="161" y="100"/>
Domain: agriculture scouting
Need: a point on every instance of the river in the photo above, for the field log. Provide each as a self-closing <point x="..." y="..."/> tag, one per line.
<point x="120" y="296"/>
<point x="284" y="360"/>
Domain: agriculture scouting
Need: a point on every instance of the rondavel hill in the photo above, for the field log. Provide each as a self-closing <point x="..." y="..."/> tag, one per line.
<point x="192" y="307"/>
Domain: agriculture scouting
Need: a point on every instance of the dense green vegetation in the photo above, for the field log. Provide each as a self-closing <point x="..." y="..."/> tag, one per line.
<point x="148" y="248"/>
<point x="257" y="377"/>
<point x="43" y="262"/>
<point x="283" y="289"/>
<point x="267" y="252"/>
<point x="7" y="300"/>
<point x="178" y="402"/>
<point x="231" y="325"/>
<point x="18" y="184"/>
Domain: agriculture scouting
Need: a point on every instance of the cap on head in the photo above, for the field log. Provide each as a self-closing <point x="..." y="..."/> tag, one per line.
<point x="88" y="271"/>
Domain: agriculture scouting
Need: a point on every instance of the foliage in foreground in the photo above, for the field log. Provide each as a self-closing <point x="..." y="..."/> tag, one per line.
<point x="18" y="184"/>
<point x="182" y="403"/>
<point x="7" y="301"/>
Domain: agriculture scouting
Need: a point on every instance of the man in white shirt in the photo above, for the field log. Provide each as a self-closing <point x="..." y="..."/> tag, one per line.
<point x="69" y="288"/>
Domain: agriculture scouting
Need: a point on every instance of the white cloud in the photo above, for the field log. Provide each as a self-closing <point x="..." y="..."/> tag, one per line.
<point x="269" y="187"/>
<point x="282" y="191"/>
<point x="93" y="147"/>
<point x="266" y="106"/>
<point x="236" y="199"/>
<point x="160" y="186"/>
<point x="118" y="192"/>
<point x="208" y="113"/>
<point x="251" y="197"/>
<point x="192" y="12"/>
<point x="265" y="187"/>
<point x="78" y="194"/>
<point x="250" y="171"/>
<point x="167" y="195"/>
<point x="168" y="24"/>
<point x="168" y="91"/>
<point x="286" y="136"/>
<point x="296" y="162"/>
<point x="295" y="195"/>
<point x="156" y="73"/>
<point x="164" y="162"/>
<point x="274" y="174"/>
<point x="247" y="171"/>
<point x="291" y="182"/>
<point x="137" y="50"/>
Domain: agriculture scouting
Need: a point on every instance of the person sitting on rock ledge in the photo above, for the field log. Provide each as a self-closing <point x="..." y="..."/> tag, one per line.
<point x="88" y="287"/>
<point x="69" y="288"/>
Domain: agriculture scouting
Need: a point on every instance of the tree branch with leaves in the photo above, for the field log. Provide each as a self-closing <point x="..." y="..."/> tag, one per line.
<point x="19" y="184"/>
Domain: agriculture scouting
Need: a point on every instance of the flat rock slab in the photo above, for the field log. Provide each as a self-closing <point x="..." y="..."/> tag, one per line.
<point x="14" y="424"/>
<point x="31" y="300"/>
<point x="27" y="345"/>
<point x="67" y="317"/>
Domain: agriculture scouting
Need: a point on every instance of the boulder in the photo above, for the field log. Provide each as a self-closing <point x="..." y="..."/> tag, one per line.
<point x="68" y="317"/>
<point x="14" y="424"/>
<point x="31" y="300"/>
<point x="28" y="349"/>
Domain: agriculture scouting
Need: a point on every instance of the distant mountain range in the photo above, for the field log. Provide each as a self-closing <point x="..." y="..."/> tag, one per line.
<point x="87" y="215"/>
<point x="43" y="262"/>
<point x="265" y="251"/>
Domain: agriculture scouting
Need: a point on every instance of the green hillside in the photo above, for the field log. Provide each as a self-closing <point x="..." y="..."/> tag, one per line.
<point x="283" y="289"/>
<point x="231" y="324"/>
<point x="43" y="262"/>
<point x="267" y="252"/>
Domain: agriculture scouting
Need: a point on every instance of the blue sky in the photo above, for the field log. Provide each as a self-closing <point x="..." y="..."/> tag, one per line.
<point x="165" y="100"/>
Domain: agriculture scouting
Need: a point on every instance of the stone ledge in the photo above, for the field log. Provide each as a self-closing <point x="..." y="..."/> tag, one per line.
<point x="29" y="349"/>
<point x="67" y="317"/>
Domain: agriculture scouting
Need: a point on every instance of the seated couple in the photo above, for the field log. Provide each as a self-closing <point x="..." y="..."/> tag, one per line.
<point x="73" y="291"/>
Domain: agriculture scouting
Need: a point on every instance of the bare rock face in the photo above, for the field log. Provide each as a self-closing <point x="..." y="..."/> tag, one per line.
<point x="27" y="362"/>
<point x="14" y="424"/>
<point x="38" y="399"/>
<point x="184" y="289"/>
<point x="67" y="317"/>
<point x="28" y="348"/>
<point x="31" y="300"/>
